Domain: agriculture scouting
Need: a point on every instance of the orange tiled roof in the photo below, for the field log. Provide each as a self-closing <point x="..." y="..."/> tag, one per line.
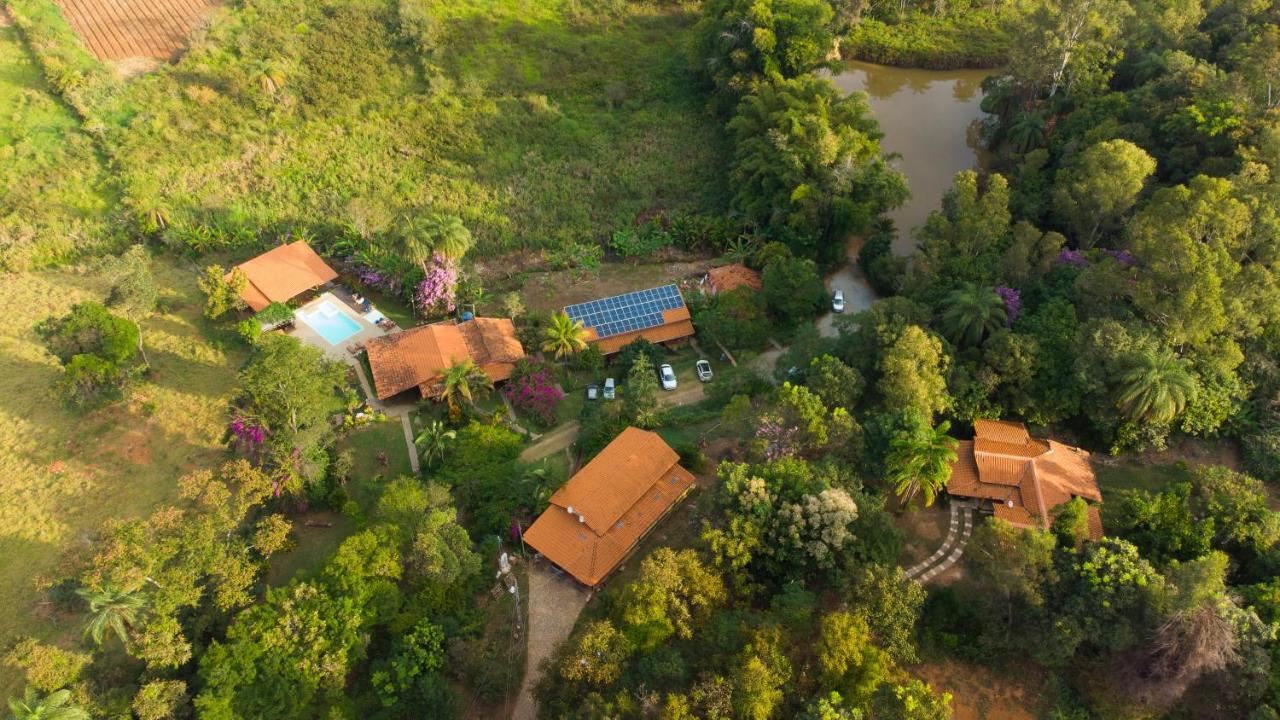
<point x="1024" y="478"/>
<point x="417" y="357"/>
<point x="595" y="520"/>
<point x="283" y="273"/>
<point x="730" y="277"/>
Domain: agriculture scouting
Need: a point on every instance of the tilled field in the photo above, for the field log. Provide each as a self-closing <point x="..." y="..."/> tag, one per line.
<point x="121" y="29"/>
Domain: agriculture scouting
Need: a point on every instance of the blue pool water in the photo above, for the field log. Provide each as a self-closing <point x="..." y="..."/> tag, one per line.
<point x="332" y="324"/>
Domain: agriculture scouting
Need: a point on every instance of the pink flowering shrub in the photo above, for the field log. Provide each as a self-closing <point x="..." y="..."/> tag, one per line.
<point x="438" y="287"/>
<point x="247" y="436"/>
<point x="536" y="393"/>
<point x="780" y="441"/>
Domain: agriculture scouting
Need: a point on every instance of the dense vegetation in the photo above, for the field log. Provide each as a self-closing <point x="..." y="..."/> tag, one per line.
<point x="1113" y="277"/>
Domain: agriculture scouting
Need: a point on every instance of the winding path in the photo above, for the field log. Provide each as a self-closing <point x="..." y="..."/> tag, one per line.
<point x="958" y="532"/>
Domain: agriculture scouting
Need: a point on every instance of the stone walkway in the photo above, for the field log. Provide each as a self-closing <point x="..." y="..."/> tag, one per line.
<point x="408" y="439"/>
<point x="554" y="604"/>
<point x="958" y="532"/>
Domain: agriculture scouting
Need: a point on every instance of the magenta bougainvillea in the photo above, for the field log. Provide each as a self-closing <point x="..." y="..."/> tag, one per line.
<point x="536" y="393"/>
<point x="247" y="436"/>
<point x="436" y="291"/>
<point x="1012" y="303"/>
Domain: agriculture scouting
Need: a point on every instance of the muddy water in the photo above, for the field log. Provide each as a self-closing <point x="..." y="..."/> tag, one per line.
<point x="930" y="119"/>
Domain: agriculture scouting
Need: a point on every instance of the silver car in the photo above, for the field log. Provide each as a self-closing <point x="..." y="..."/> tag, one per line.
<point x="609" y="389"/>
<point x="668" y="377"/>
<point x="837" y="301"/>
<point x="703" y="368"/>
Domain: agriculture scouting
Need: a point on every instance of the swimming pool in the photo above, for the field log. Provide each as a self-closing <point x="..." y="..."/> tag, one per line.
<point x="332" y="324"/>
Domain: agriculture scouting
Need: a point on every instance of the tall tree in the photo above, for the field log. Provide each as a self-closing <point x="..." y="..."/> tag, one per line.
<point x="1093" y="192"/>
<point x="1155" y="386"/>
<point x="112" y="610"/>
<point x="462" y="381"/>
<point x="421" y="237"/>
<point x="920" y="460"/>
<point x="564" y="336"/>
<point x="971" y="314"/>
<point x="740" y="44"/>
<point x="1067" y="45"/>
<point x="911" y="373"/>
<point x="807" y="164"/>
<point x="433" y="441"/>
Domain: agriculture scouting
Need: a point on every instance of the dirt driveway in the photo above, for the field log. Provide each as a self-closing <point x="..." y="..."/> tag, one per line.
<point x="554" y="604"/>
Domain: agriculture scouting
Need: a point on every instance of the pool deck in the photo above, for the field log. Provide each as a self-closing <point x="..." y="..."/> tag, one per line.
<point x="307" y="334"/>
<point x="368" y="331"/>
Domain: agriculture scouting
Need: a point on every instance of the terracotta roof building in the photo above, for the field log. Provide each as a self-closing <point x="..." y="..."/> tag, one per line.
<point x="658" y="315"/>
<point x="1023" y="478"/>
<point x="731" y="277"/>
<point x="418" y="357"/>
<point x="283" y="273"/>
<point x="599" y="516"/>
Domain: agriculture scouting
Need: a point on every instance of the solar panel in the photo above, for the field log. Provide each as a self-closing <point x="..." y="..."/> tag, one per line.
<point x="628" y="312"/>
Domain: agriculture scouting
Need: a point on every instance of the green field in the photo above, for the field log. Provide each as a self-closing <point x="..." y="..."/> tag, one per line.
<point x="55" y="198"/>
<point x="536" y="123"/>
<point x="66" y="473"/>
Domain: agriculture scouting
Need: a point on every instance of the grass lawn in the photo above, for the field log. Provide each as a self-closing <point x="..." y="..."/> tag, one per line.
<point x="1134" y="476"/>
<point x="54" y="196"/>
<point x="316" y="544"/>
<point x="65" y="473"/>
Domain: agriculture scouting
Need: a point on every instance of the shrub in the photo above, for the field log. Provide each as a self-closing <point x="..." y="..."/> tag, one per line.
<point x="883" y="269"/>
<point x="276" y="313"/>
<point x="534" y="390"/>
<point x="1261" y="449"/>
<point x="631" y="243"/>
<point x="972" y="39"/>
<point x="97" y="351"/>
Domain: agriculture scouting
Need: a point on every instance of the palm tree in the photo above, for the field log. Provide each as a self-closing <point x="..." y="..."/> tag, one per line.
<point x="971" y="313"/>
<point x="919" y="461"/>
<point x="463" y="381"/>
<point x="269" y="75"/>
<point x="423" y="236"/>
<point x="433" y="441"/>
<point x="113" y="610"/>
<point x="1026" y="131"/>
<point x="54" y="706"/>
<point x="741" y="249"/>
<point x="1155" y="386"/>
<point x="564" y="336"/>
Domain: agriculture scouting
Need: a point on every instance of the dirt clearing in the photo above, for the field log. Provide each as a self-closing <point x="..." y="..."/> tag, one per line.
<point x="124" y="29"/>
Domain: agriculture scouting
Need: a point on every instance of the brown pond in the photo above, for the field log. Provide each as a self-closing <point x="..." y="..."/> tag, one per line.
<point x="930" y="119"/>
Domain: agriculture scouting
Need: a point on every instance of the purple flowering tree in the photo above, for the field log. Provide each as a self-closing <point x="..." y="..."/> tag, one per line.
<point x="536" y="393"/>
<point x="1012" y="303"/>
<point x="1072" y="257"/>
<point x="1124" y="257"/>
<point x="438" y="287"/>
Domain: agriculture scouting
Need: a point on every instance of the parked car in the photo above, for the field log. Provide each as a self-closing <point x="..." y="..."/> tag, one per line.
<point x="593" y="392"/>
<point x="703" y="369"/>
<point x="609" y="389"/>
<point x="668" y="377"/>
<point x="837" y="301"/>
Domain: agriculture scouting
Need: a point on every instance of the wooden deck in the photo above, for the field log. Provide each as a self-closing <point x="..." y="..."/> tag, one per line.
<point x="121" y="29"/>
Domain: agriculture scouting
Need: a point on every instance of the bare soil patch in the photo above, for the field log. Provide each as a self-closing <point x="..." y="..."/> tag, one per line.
<point x="978" y="693"/>
<point x="121" y="29"/>
<point x="551" y="291"/>
<point x="923" y="530"/>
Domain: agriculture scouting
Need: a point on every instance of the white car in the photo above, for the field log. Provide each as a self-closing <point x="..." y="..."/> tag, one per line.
<point x="703" y="368"/>
<point x="593" y="392"/>
<point x="608" y="389"/>
<point x="668" y="377"/>
<point x="837" y="301"/>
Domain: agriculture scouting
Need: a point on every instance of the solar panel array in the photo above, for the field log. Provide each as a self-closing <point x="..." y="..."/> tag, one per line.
<point x="627" y="312"/>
